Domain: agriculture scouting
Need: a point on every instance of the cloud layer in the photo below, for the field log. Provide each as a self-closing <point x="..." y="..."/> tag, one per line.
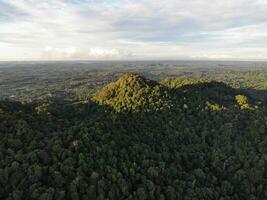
<point x="128" y="29"/>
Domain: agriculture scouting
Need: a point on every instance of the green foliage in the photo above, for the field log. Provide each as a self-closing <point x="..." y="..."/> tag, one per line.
<point x="134" y="93"/>
<point x="201" y="145"/>
<point x="180" y="82"/>
<point x="242" y="101"/>
<point x="42" y="109"/>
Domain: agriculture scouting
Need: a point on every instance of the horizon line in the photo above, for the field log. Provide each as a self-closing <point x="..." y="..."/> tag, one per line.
<point x="134" y="60"/>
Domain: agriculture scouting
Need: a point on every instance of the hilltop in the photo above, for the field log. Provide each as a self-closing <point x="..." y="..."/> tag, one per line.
<point x="132" y="92"/>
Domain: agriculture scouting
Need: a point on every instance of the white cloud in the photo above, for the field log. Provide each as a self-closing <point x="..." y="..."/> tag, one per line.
<point x="56" y="53"/>
<point x="85" y="29"/>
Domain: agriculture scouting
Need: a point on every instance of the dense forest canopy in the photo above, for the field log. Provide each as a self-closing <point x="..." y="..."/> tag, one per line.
<point x="137" y="139"/>
<point x="134" y="93"/>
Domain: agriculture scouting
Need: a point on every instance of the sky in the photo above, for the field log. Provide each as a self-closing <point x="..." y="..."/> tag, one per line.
<point x="133" y="29"/>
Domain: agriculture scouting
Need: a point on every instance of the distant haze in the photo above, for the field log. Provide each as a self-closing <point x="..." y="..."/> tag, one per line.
<point x="133" y="30"/>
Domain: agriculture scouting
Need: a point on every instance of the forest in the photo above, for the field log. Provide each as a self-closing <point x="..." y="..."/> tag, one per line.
<point x="134" y="133"/>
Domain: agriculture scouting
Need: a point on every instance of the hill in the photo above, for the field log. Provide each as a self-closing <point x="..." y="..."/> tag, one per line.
<point x="132" y="92"/>
<point x="200" y="93"/>
<point x="137" y="139"/>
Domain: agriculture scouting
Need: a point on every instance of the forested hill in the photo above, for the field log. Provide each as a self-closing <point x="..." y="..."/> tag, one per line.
<point x="134" y="93"/>
<point x="137" y="139"/>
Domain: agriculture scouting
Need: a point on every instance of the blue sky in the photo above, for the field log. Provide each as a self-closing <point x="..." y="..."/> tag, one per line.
<point x="128" y="29"/>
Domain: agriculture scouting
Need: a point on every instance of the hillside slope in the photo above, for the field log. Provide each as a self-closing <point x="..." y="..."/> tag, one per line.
<point x="132" y="92"/>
